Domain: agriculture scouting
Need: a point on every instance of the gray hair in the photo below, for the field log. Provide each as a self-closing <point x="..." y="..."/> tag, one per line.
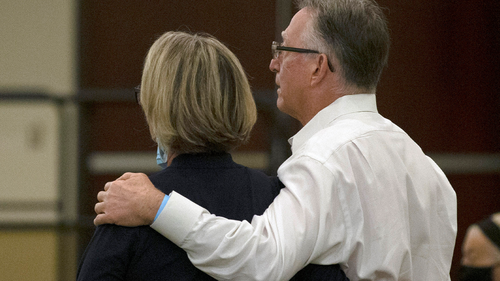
<point x="354" y="32"/>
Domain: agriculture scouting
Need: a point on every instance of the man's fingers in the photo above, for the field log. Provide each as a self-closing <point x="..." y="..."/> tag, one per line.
<point x="101" y="196"/>
<point x="125" y="176"/>
<point x="99" y="208"/>
<point x="122" y="201"/>
<point x="101" y="219"/>
<point x="107" y="185"/>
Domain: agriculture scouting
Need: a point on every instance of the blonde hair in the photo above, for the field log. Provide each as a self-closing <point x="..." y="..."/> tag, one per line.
<point x="195" y="94"/>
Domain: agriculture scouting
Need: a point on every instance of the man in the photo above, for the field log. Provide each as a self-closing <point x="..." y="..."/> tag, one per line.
<point x="358" y="191"/>
<point x="481" y="251"/>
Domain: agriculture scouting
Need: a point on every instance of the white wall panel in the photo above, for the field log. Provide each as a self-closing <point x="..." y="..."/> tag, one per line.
<point x="29" y="161"/>
<point x="38" y="46"/>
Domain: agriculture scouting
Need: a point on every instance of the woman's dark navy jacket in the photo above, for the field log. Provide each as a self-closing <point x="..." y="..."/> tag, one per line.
<point x="213" y="181"/>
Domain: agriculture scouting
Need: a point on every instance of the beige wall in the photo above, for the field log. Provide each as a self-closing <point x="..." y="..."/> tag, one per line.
<point x="38" y="54"/>
<point x="28" y="255"/>
<point x="38" y="45"/>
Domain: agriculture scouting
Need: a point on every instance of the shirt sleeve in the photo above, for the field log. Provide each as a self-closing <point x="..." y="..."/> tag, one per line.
<point x="290" y="234"/>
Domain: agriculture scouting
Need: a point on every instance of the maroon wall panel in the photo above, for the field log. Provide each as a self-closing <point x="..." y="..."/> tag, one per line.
<point x="442" y="84"/>
<point x="116" y="35"/>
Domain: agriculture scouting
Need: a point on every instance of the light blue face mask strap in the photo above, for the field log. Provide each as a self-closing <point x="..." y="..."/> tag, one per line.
<point x="161" y="158"/>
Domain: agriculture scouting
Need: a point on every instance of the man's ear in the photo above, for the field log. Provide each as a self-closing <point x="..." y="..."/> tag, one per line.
<point x="322" y="69"/>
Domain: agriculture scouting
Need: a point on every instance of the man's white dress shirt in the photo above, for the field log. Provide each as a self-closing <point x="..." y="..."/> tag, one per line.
<point x="359" y="192"/>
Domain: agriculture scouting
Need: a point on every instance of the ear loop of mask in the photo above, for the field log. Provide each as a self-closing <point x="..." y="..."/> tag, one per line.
<point x="161" y="157"/>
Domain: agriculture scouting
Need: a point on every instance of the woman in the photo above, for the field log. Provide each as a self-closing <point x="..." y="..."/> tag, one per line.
<point x="199" y="106"/>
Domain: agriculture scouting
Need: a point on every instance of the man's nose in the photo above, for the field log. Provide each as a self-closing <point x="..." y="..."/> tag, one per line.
<point x="274" y="65"/>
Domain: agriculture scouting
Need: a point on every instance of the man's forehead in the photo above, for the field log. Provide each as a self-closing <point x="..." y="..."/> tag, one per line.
<point x="297" y="25"/>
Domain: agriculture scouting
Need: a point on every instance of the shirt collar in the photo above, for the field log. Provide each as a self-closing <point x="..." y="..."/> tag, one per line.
<point x="342" y="106"/>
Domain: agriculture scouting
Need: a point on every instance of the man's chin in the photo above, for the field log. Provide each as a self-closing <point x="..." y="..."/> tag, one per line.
<point x="279" y="103"/>
<point x="280" y="106"/>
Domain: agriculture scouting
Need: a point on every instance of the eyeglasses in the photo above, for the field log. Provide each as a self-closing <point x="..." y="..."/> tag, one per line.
<point x="137" y="91"/>
<point x="276" y="49"/>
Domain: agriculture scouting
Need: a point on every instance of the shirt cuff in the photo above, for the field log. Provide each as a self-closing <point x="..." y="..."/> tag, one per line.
<point x="163" y="203"/>
<point x="178" y="218"/>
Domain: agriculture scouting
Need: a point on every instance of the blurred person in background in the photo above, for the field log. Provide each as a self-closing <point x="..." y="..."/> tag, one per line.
<point x="481" y="251"/>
